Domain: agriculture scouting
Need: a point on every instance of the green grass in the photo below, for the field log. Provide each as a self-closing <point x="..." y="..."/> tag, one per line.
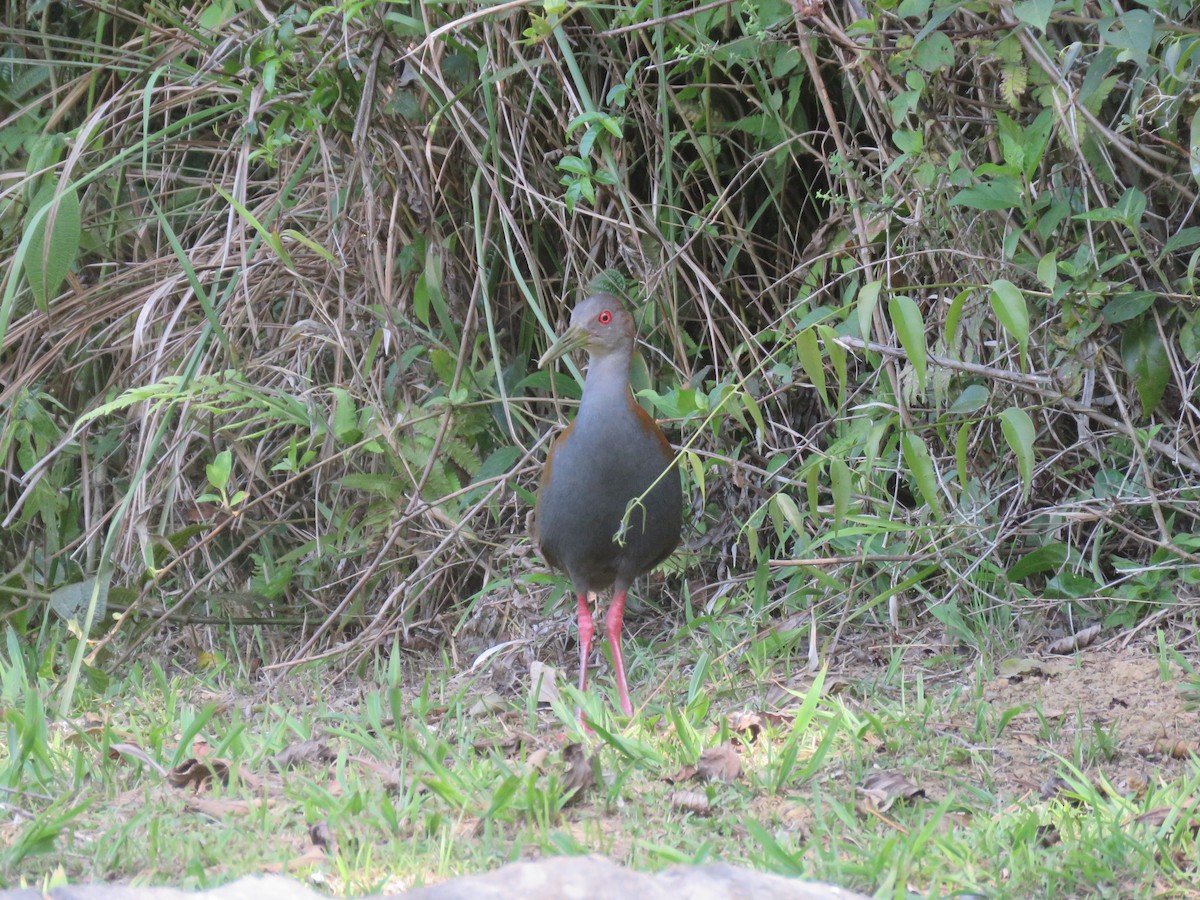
<point x="425" y="783"/>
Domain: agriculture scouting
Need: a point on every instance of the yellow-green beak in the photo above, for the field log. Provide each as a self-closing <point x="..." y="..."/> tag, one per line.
<point x="571" y="339"/>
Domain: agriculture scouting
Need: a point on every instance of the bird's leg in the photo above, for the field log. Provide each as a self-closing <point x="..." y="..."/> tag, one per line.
<point x="586" y="630"/>
<point x="613" y="622"/>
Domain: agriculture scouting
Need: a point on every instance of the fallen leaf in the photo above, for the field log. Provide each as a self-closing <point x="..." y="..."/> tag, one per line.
<point x="537" y="759"/>
<point x="506" y="746"/>
<point x="196" y="775"/>
<point x="119" y="751"/>
<point x="313" y="751"/>
<point x="745" y="722"/>
<point x="695" y="802"/>
<point x="1058" y="788"/>
<point x="720" y="763"/>
<point x="1174" y="748"/>
<point x="581" y="771"/>
<point x="752" y="722"/>
<point x="880" y="790"/>
<point x="1158" y="816"/>
<point x="1077" y="641"/>
<point x="687" y="773"/>
<point x="322" y="836"/>
<point x="389" y="776"/>
<point x="489" y="703"/>
<point x="1016" y="669"/>
<point x="543" y="683"/>
<point x="470" y="827"/>
<point x="218" y="810"/>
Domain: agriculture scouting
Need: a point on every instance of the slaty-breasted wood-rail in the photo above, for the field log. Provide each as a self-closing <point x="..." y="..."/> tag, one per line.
<point x="611" y="454"/>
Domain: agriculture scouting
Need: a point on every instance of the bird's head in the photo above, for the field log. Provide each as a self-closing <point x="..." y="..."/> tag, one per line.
<point x="599" y="323"/>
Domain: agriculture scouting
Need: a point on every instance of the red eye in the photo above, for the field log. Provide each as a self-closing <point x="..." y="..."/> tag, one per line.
<point x="605" y="317"/>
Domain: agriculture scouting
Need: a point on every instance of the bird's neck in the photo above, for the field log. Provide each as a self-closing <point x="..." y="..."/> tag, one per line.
<point x="605" y="389"/>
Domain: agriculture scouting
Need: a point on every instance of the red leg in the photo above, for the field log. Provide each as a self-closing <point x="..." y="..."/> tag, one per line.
<point x="586" y="630"/>
<point x="613" y="622"/>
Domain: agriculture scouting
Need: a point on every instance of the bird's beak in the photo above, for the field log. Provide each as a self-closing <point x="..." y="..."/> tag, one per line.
<point x="572" y="339"/>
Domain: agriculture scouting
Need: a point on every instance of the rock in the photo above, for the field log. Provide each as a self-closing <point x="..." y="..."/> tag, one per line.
<point x="555" y="878"/>
<point x="596" y="878"/>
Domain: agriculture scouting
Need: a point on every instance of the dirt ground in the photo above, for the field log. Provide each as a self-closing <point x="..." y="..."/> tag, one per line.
<point x="1121" y="703"/>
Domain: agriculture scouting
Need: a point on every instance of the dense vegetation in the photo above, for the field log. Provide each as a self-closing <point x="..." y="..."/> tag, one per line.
<point x="916" y="282"/>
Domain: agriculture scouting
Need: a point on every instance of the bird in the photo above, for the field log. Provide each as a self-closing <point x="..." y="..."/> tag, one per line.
<point x="612" y="453"/>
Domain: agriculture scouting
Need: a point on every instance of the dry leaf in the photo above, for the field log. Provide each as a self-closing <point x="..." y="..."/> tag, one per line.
<point x="751" y="723"/>
<point x="687" y="773"/>
<point x="196" y="775"/>
<point x="302" y="752"/>
<point x="1055" y="787"/>
<point x="543" y="683"/>
<point x="581" y="771"/>
<point x="1174" y="748"/>
<point x="720" y="763"/>
<point x="470" y="827"/>
<point x="507" y="745"/>
<point x="219" y="810"/>
<point x="489" y="703"/>
<point x="1076" y="641"/>
<point x="1016" y="669"/>
<point x="119" y="751"/>
<point x="322" y="836"/>
<point x="389" y="776"/>
<point x="880" y="790"/>
<point x="1158" y="816"/>
<point x="745" y="722"/>
<point x="695" y="802"/>
<point x="537" y="759"/>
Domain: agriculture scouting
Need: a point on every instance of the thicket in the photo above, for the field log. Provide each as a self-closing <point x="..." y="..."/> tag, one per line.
<point x="916" y="283"/>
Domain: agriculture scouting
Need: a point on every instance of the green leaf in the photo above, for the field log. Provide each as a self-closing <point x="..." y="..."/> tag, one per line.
<point x="952" y="317"/>
<point x="345" y="416"/>
<point x="812" y="362"/>
<point x="574" y="165"/>
<point x="786" y="514"/>
<point x="54" y="242"/>
<point x="837" y="358"/>
<point x="216" y="15"/>
<point x="1009" y="305"/>
<point x="1020" y="434"/>
<point x="1145" y="361"/>
<point x="1034" y="12"/>
<point x="696" y="465"/>
<point x="1135" y="35"/>
<point x="217" y="472"/>
<point x="868" y="298"/>
<point x="1034" y="141"/>
<point x="910" y="329"/>
<point x="934" y="53"/>
<point x="70" y="602"/>
<point x="1000" y="193"/>
<point x="973" y="398"/>
<point x="839" y="483"/>
<point x="1044" y="559"/>
<point x="1047" y="270"/>
<point x="920" y="465"/>
<point x="1194" y="147"/>
<point x="1132" y="206"/>
<point x="1127" y="306"/>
